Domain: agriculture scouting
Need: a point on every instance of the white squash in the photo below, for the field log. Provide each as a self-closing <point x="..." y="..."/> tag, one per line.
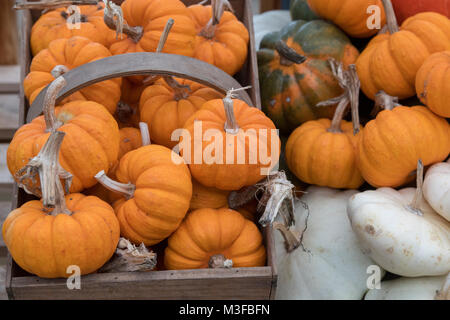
<point x="436" y="188"/>
<point x="269" y="21"/>
<point x="423" y="288"/>
<point x="400" y="231"/>
<point x="333" y="265"/>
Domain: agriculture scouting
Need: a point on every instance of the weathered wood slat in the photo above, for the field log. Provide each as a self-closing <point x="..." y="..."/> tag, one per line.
<point x="6" y="181"/>
<point x="235" y="283"/>
<point x="5" y="209"/>
<point x="3" y="295"/>
<point x="9" y="78"/>
<point x="9" y="116"/>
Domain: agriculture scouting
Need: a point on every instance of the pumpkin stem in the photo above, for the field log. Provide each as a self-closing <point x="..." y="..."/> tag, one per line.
<point x="180" y="91"/>
<point x="218" y="8"/>
<point x="288" y="56"/>
<point x="113" y="18"/>
<point x="124" y="113"/>
<point x="277" y="198"/>
<point x="162" y="41"/>
<point x="414" y="205"/>
<point x="349" y="81"/>
<point x="49" y="103"/>
<point x="391" y="19"/>
<point x="47" y="167"/>
<point x="145" y="134"/>
<point x="59" y="70"/>
<point x="384" y="101"/>
<point x="126" y="190"/>
<point x="444" y="293"/>
<point x="291" y="238"/>
<point x="219" y="261"/>
<point x="129" y="258"/>
<point x="231" y="125"/>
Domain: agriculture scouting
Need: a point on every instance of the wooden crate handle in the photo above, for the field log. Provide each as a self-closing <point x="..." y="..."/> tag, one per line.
<point x="142" y="63"/>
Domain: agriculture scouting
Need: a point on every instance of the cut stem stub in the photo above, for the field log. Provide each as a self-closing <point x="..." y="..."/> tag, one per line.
<point x="125" y="189"/>
<point x="288" y="56"/>
<point x="414" y="206"/>
<point x="113" y="18"/>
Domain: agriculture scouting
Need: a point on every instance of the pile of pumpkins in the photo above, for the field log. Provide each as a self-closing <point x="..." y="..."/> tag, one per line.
<point x="362" y="218"/>
<point x="121" y="175"/>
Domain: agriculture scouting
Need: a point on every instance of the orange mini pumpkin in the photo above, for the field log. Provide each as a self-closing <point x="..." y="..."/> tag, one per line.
<point x="168" y="104"/>
<point x="157" y="189"/>
<point x="61" y="24"/>
<point x="352" y="16"/>
<point x="79" y="230"/>
<point x="207" y="197"/>
<point x="221" y="40"/>
<point x="63" y="55"/>
<point x="91" y="143"/>
<point x="144" y="22"/>
<point x="243" y="144"/>
<point x="433" y="83"/>
<point x="390" y="61"/>
<point x="215" y="238"/>
<point x="323" y="152"/>
<point x="390" y="146"/>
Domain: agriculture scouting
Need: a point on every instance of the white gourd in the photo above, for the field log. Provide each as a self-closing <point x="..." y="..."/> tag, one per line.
<point x="334" y="266"/>
<point x="436" y="188"/>
<point x="423" y="288"/>
<point x="400" y="231"/>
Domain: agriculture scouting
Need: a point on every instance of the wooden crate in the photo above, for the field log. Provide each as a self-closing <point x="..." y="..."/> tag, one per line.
<point x="235" y="283"/>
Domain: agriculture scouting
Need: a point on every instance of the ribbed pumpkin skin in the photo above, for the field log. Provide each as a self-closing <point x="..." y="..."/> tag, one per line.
<point x="289" y="94"/>
<point x="390" y="146"/>
<point x="433" y="83"/>
<point x="407" y="8"/>
<point x="390" y="62"/>
<point x="207" y="197"/>
<point x="323" y="158"/>
<point x="162" y="196"/>
<point x="91" y="143"/>
<point x="53" y="25"/>
<point x="164" y="112"/>
<point x="207" y="232"/>
<point x="130" y="139"/>
<point x="152" y="16"/>
<point x="230" y="175"/>
<point x="46" y="245"/>
<point x="350" y="15"/>
<point x="228" y="49"/>
<point x="72" y="53"/>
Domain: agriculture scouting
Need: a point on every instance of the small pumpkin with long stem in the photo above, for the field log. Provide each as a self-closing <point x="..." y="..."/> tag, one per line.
<point x="390" y="145"/>
<point x="130" y="139"/>
<point x="391" y="60"/>
<point x="222" y="40"/>
<point x="62" y="24"/>
<point x="91" y="143"/>
<point x="433" y="83"/>
<point x="168" y="103"/>
<point x="140" y="23"/>
<point x="294" y="73"/>
<point x="50" y="64"/>
<point x="400" y="231"/>
<point x="156" y="189"/>
<point x="46" y="237"/>
<point x="241" y="147"/>
<point x="323" y="152"/>
<point x="215" y="238"/>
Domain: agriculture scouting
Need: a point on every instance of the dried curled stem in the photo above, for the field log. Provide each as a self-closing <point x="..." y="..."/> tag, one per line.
<point x="47" y="167"/>
<point x="180" y="91"/>
<point x="125" y="189"/>
<point x="231" y="125"/>
<point x="51" y="123"/>
<point x="288" y="56"/>
<point x="218" y="8"/>
<point x="349" y="81"/>
<point x="219" y="261"/>
<point x="384" y="101"/>
<point x="414" y="206"/>
<point x="129" y="258"/>
<point x="277" y="198"/>
<point x="391" y="19"/>
<point x="113" y="17"/>
<point x="59" y="70"/>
